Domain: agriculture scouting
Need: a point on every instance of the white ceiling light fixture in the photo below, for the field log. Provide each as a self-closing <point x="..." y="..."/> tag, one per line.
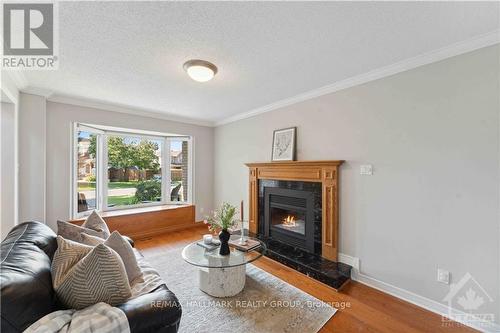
<point x="200" y="70"/>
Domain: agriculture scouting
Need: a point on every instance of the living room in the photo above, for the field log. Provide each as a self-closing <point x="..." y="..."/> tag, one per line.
<point x="253" y="166"/>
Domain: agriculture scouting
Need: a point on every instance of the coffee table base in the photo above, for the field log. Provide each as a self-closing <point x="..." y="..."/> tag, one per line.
<point x="222" y="282"/>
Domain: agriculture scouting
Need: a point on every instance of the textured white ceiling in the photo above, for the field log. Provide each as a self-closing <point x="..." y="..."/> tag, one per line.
<point x="131" y="53"/>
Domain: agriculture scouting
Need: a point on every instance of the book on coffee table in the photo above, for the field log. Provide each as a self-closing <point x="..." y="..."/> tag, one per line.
<point x="250" y="244"/>
<point x="210" y="247"/>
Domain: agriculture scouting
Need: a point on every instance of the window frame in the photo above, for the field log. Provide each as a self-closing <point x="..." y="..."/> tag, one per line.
<point x="102" y="180"/>
<point x="189" y="139"/>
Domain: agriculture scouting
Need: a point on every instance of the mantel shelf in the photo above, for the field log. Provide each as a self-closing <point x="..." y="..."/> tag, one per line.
<point x="295" y="163"/>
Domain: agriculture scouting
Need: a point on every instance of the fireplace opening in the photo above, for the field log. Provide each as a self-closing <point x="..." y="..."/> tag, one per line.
<point x="289" y="220"/>
<point x="289" y="216"/>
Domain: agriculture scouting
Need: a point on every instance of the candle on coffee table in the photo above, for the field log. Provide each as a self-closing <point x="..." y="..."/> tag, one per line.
<point x="242" y="236"/>
<point x="241" y="211"/>
<point x="207" y="239"/>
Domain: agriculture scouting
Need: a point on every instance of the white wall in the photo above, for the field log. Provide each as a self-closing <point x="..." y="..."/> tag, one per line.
<point x="9" y="137"/>
<point x="32" y="139"/>
<point x="432" y="135"/>
<point x="7" y="169"/>
<point x="59" y="121"/>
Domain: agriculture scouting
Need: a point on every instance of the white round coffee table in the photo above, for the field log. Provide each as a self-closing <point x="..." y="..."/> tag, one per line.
<point x="221" y="276"/>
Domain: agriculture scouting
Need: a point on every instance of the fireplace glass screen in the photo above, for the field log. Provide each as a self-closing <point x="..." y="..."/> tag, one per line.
<point x="290" y="213"/>
<point x="289" y="220"/>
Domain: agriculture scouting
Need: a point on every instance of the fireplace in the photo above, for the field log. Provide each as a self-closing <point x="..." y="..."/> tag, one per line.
<point x="319" y="177"/>
<point x="294" y="210"/>
<point x="291" y="213"/>
<point x="289" y="216"/>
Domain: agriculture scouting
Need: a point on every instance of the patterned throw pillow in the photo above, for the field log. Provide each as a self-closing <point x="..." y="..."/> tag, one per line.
<point x="95" y="222"/>
<point x="67" y="255"/>
<point x="122" y="247"/>
<point x="73" y="232"/>
<point x="83" y="275"/>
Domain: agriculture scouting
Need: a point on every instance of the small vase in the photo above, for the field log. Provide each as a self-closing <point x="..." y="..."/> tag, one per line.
<point x="224" y="236"/>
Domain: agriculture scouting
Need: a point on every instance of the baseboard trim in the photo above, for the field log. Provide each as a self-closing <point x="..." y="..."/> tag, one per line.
<point x="351" y="261"/>
<point x="422" y="302"/>
<point x="413" y="298"/>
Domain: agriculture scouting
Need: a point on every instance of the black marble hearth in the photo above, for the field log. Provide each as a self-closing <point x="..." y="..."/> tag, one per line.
<point x="334" y="274"/>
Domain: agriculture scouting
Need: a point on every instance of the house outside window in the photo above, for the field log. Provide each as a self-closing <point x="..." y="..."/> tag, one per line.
<point x="117" y="169"/>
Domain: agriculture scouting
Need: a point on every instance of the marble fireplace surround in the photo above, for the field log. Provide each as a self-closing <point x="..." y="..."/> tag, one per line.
<point x="309" y="204"/>
<point x="324" y="172"/>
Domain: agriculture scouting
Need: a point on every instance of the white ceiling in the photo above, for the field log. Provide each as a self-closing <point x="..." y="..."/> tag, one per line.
<point x="131" y="54"/>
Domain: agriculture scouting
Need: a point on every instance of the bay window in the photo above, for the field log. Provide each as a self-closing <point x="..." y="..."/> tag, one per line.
<point x="118" y="168"/>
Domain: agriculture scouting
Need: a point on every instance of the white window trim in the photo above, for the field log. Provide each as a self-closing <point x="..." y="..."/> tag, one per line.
<point x="102" y="162"/>
<point x="190" y="198"/>
<point x="74" y="166"/>
<point x="73" y="192"/>
<point x="103" y="180"/>
<point x="190" y="170"/>
<point x="165" y="185"/>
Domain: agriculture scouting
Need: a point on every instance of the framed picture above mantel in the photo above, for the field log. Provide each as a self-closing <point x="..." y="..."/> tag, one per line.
<point x="284" y="141"/>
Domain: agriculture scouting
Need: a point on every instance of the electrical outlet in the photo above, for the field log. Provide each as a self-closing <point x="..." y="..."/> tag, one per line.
<point x="443" y="276"/>
<point x="202" y="209"/>
<point x="366" y="169"/>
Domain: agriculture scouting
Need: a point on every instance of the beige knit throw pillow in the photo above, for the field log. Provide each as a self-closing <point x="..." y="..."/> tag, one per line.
<point x="122" y="247"/>
<point x="95" y="222"/>
<point x="73" y="232"/>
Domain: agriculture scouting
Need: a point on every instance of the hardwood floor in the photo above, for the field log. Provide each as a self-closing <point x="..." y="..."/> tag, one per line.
<point x="369" y="310"/>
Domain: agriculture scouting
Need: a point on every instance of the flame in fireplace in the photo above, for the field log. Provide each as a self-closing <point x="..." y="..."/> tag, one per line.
<point x="289" y="221"/>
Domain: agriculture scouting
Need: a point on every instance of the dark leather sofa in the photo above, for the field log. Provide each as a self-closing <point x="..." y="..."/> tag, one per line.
<point x="27" y="293"/>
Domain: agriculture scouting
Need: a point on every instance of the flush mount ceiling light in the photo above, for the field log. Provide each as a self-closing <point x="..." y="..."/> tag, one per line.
<point x="200" y="70"/>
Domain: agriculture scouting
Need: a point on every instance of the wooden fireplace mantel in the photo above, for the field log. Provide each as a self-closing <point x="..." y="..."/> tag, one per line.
<point x="324" y="172"/>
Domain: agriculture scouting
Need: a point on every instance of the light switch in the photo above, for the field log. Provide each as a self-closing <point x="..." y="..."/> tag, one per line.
<point x="443" y="276"/>
<point x="366" y="169"/>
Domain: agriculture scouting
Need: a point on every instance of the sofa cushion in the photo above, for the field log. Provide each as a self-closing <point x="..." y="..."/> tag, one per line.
<point x="27" y="293"/>
<point x="26" y="284"/>
<point x="158" y="311"/>
<point x="84" y="275"/>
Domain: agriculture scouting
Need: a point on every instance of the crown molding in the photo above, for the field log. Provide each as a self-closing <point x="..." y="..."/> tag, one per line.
<point x="449" y="51"/>
<point x="51" y="96"/>
<point x="9" y="88"/>
<point x="37" y="91"/>
<point x="18" y="78"/>
<point x="96" y="104"/>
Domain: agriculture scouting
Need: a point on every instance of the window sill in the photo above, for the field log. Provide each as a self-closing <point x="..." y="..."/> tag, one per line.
<point x="144" y="222"/>
<point x="141" y="210"/>
<point x="136" y="210"/>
